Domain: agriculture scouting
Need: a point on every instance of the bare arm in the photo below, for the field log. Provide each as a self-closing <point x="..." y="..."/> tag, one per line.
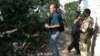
<point x="52" y="26"/>
<point x="55" y="26"/>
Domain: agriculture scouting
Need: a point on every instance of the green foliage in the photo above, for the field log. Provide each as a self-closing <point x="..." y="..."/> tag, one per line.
<point x="20" y="20"/>
<point x="70" y="12"/>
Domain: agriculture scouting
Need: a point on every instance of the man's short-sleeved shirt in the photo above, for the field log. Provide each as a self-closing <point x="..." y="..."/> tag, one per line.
<point x="56" y="18"/>
<point x="87" y="22"/>
<point x="86" y="25"/>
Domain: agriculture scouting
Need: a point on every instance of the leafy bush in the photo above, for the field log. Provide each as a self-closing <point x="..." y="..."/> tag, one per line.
<point x="70" y="12"/>
<point x="23" y="21"/>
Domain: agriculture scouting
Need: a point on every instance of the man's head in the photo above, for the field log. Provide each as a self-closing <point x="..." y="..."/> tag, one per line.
<point x="53" y="8"/>
<point x="86" y="12"/>
<point x="77" y="13"/>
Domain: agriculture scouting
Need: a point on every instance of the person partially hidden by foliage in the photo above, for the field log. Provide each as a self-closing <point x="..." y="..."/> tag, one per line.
<point x="75" y="33"/>
<point x="55" y="27"/>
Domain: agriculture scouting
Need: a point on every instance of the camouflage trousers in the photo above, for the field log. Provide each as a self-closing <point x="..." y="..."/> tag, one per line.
<point x="84" y="49"/>
<point x="84" y="45"/>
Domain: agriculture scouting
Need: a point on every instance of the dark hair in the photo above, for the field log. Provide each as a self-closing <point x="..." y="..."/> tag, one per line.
<point x="78" y="12"/>
<point x="55" y="5"/>
<point x="87" y="11"/>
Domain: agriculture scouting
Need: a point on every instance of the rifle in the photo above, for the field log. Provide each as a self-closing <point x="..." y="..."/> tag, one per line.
<point x="94" y="38"/>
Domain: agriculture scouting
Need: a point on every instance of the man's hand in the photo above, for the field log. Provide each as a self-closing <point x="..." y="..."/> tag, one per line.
<point x="47" y="26"/>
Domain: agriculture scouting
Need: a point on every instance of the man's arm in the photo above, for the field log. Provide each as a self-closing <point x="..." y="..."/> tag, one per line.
<point x="55" y="22"/>
<point x="55" y="26"/>
<point x="84" y="30"/>
<point x="52" y="26"/>
<point x="85" y="27"/>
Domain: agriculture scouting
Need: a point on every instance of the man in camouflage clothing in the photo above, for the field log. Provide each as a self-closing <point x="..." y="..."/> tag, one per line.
<point x="85" y="35"/>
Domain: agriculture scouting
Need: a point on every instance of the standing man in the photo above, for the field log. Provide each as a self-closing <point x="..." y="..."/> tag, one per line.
<point x="55" y="26"/>
<point x="85" y="35"/>
<point x="75" y="33"/>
